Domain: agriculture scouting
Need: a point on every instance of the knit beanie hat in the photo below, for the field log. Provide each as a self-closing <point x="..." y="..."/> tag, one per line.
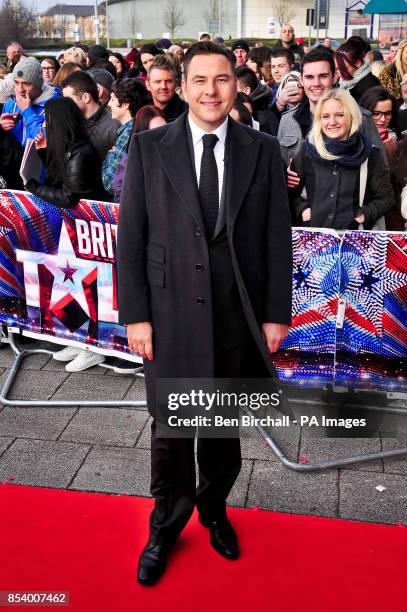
<point x="241" y="44"/>
<point x="29" y="69"/>
<point x="102" y="77"/>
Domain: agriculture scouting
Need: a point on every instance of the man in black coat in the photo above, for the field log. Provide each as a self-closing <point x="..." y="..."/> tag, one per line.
<point x="204" y="271"/>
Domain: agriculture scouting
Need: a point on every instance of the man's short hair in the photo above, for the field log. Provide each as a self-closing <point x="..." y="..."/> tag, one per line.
<point x="282" y="52"/>
<point x="162" y="62"/>
<point x="207" y="47"/>
<point x="131" y="91"/>
<point x="247" y="77"/>
<point x="81" y="83"/>
<point x="319" y="55"/>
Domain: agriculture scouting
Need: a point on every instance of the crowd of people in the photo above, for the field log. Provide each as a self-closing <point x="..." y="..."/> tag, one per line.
<point x="340" y="117"/>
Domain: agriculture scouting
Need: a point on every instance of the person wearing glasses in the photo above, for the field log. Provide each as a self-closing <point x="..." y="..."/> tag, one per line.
<point x="385" y="114"/>
<point x="50" y="67"/>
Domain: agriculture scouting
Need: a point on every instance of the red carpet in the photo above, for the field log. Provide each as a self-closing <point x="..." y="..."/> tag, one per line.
<point x="88" y="544"/>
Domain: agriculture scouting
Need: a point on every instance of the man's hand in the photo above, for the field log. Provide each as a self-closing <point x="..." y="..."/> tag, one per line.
<point x="293" y="178"/>
<point x="23" y="101"/>
<point x="360" y="219"/>
<point x="140" y="339"/>
<point x="7" y="122"/>
<point x="306" y="214"/>
<point x="291" y="94"/>
<point x="40" y="140"/>
<point x="274" y="334"/>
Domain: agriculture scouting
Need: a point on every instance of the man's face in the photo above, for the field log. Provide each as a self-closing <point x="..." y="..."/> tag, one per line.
<point x="279" y="68"/>
<point x="241" y="57"/>
<point x="287" y="33"/>
<point x="177" y="50"/>
<point x="210" y="89"/>
<point x="327" y="42"/>
<point x="14" y="53"/>
<point x="69" y="92"/>
<point x="161" y="84"/>
<point x="393" y="51"/>
<point x="25" y="89"/>
<point x="317" y="78"/>
<point x="119" y="111"/>
<point x="104" y="94"/>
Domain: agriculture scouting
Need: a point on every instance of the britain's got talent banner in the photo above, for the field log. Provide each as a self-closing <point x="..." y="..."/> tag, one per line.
<point x="58" y="282"/>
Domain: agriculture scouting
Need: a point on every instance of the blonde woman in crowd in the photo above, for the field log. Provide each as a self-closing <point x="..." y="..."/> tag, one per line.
<point x="76" y="55"/>
<point x="391" y="76"/>
<point x="347" y="184"/>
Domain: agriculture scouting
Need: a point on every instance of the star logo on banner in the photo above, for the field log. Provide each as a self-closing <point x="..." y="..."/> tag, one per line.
<point x="68" y="272"/>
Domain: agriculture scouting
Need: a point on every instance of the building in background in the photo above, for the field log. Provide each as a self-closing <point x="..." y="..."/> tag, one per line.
<point x="71" y="22"/>
<point x="237" y="18"/>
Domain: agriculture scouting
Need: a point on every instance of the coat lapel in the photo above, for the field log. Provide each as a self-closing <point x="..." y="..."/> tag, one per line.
<point x="173" y="152"/>
<point x="240" y="164"/>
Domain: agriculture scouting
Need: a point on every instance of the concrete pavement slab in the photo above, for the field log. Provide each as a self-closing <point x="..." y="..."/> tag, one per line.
<point x="5" y="443"/>
<point x="115" y="470"/>
<point x="144" y="440"/>
<point x="35" y="385"/>
<point x="83" y="386"/>
<point x="274" y="487"/>
<point x="328" y="449"/>
<point x="110" y="426"/>
<point x="35" y="422"/>
<point x="395" y="466"/>
<point x="42" y="463"/>
<point x="359" y="499"/>
<point x="137" y="390"/>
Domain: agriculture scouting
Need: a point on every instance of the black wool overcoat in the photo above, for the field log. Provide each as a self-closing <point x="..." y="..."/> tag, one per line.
<point x="163" y="255"/>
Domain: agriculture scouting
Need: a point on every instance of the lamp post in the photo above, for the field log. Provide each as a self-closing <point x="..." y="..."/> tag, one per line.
<point x="107" y="25"/>
<point x="96" y="23"/>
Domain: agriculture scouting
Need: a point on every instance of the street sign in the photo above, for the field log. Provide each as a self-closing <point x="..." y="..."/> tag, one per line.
<point x="310" y="17"/>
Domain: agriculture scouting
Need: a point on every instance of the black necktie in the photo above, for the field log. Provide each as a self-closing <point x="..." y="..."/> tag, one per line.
<point x="209" y="184"/>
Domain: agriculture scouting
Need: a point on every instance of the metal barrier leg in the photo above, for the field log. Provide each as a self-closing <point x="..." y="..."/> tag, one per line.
<point x="322" y="465"/>
<point x="23" y="354"/>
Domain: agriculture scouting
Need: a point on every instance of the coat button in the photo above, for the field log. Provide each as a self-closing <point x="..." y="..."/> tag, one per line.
<point x="200" y="301"/>
<point x="333" y="194"/>
<point x="335" y="172"/>
<point x="330" y="216"/>
<point x="199" y="267"/>
<point x="198" y="232"/>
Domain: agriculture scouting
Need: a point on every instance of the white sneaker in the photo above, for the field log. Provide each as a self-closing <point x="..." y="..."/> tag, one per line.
<point x="86" y="359"/>
<point x="67" y="354"/>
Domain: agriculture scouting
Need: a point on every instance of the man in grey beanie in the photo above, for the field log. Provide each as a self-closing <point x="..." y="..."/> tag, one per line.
<point x="104" y="81"/>
<point x="23" y="114"/>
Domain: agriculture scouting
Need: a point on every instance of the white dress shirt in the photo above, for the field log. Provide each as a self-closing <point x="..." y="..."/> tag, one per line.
<point x="219" y="149"/>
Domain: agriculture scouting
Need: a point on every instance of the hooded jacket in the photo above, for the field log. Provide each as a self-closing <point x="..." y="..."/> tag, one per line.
<point x="32" y="118"/>
<point x="261" y="99"/>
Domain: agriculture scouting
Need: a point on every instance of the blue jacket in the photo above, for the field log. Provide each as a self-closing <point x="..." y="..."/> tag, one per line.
<point x="32" y="117"/>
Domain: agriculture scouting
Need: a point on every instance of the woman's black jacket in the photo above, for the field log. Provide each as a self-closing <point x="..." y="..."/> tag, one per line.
<point x="332" y="192"/>
<point x="83" y="179"/>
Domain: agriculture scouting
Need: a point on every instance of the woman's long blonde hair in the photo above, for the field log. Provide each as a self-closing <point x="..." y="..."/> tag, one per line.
<point x="353" y="119"/>
<point x="401" y="68"/>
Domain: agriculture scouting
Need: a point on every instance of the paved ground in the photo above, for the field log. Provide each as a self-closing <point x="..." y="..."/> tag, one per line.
<point x="107" y="450"/>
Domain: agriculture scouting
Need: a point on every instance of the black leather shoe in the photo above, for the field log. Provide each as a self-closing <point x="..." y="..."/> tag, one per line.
<point x="223" y="537"/>
<point x="152" y="564"/>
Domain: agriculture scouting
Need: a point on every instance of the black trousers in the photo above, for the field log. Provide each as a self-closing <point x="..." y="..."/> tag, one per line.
<point x="173" y="476"/>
